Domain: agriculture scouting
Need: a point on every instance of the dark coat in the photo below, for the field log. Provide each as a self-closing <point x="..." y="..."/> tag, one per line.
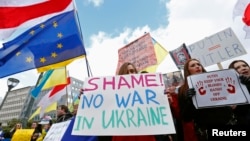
<point x="64" y="117"/>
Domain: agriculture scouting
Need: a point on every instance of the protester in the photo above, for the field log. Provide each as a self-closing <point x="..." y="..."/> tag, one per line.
<point x="129" y="68"/>
<point x="16" y="127"/>
<point x="46" y="123"/>
<point x="37" y="132"/>
<point x="242" y="112"/>
<point x="63" y="113"/>
<point x="34" y="125"/>
<point x="175" y="110"/>
<point x="196" y="122"/>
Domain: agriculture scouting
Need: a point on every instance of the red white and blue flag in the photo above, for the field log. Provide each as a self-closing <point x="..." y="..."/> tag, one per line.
<point x="27" y="13"/>
<point x="242" y="8"/>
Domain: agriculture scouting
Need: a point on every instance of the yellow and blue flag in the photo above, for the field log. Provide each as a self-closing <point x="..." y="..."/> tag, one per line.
<point x="50" y="79"/>
<point x="50" y="43"/>
<point x="160" y="53"/>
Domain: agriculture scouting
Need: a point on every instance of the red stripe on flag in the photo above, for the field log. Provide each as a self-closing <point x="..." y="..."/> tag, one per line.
<point x="15" y="16"/>
<point x="59" y="88"/>
<point x="246" y="18"/>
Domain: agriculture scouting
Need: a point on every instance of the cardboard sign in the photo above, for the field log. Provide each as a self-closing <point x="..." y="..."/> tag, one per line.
<point x="124" y="105"/>
<point x="56" y="131"/>
<point x="218" y="88"/>
<point x="22" y="135"/>
<point x="140" y="52"/>
<point x="217" y="48"/>
<point x="69" y="137"/>
<point x="173" y="79"/>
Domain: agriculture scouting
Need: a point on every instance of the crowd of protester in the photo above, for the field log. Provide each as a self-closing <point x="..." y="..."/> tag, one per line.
<point x="191" y="124"/>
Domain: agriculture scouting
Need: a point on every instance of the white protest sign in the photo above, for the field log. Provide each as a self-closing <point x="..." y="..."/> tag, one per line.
<point x="217" y="48"/>
<point x="124" y="105"/>
<point x="218" y="88"/>
<point x="57" y="131"/>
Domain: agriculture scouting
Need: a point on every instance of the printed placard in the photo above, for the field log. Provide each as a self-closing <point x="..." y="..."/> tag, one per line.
<point x="218" y="88"/>
<point x="124" y="105"/>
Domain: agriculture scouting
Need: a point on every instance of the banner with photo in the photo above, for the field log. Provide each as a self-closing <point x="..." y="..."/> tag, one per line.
<point x="173" y="79"/>
<point x="180" y="55"/>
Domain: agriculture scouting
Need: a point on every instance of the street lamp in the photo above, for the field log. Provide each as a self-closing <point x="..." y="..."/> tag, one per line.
<point x="12" y="82"/>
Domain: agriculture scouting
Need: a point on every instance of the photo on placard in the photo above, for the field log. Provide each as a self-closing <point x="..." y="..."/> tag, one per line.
<point x="173" y="79"/>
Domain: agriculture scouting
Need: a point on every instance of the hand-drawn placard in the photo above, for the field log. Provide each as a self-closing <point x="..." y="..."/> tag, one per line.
<point x="217" y="48"/>
<point x="218" y="88"/>
<point x="124" y="105"/>
<point x="57" y="131"/>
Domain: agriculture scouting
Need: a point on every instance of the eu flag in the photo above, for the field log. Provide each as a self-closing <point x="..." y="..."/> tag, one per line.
<point x="50" y="43"/>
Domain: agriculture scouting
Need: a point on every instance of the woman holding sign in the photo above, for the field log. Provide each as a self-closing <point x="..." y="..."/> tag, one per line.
<point x="196" y="122"/>
<point x="242" y="112"/>
<point x="129" y="68"/>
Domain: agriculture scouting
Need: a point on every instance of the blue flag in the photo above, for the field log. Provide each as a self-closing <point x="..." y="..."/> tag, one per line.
<point x="35" y="91"/>
<point x="69" y="137"/>
<point x="50" y="43"/>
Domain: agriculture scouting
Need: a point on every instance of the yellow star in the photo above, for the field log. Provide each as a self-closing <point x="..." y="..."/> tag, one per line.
<point x="55" y="24"/>
<point x="59" y="35"/>
<point x="42" y="60"/>
<point x="42" y="26"/>
<point x="18" y="53"/>
<point x="32" y="32"/>
<point x="53" y="55"/>
<point x="28" y="59"/>
<point x="59" y="45"/>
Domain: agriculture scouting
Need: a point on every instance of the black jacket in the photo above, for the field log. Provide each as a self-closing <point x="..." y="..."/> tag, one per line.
<point x="64" y="117"/>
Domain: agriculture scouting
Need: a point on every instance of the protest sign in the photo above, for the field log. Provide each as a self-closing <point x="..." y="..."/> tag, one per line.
<point x="180" y="55"/>
<point x="217" y="48"/>
<point x="56" y="131"/>
<point x="173" y="79"/>
<point x="69" y="137"/>
<point x="139" y="52"/>
<point x="22" y="135"/>
<point x="218" y="88"/>
<point x="124" y="105"/>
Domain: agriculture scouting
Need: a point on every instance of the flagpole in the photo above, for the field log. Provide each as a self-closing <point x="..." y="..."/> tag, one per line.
<point x="67" y="75"/>
<point x="81" y="35"/>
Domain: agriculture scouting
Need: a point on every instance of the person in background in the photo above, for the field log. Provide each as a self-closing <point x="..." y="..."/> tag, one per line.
<point x="16" y="127"/>
<point x="37" y="132"/>
<point x="34" y="125"/>
<point x="41" y="128"/>
<point x="196" y="122"/>
<point x="242" y="112"/>
<point x="129" y="68"/>
<point x="63" y="113"/>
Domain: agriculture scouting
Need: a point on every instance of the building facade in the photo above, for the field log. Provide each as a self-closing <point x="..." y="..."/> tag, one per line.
<point x="19" y="103"/>
<point x="14" y="104"/>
